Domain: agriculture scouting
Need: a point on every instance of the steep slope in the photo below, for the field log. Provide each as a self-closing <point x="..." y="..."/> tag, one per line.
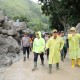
<point x="20" y="8"/>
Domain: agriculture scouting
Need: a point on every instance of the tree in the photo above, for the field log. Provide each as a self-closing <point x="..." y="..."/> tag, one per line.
<point x="61" y="12"/>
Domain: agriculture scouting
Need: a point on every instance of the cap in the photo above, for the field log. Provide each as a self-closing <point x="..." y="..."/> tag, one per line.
<point x="62" y="31"/>
<point x="72" y="29"/>
<point x="54" y="30"/>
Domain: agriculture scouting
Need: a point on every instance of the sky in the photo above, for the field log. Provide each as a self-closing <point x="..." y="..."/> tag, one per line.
<point x="34" y="0"/>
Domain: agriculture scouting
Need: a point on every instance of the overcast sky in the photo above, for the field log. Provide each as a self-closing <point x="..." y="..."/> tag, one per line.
<point x="34" y="0"/>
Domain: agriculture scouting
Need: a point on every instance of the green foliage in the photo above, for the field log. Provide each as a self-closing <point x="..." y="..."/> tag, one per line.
<point x="21" y="18"/>
<point x="24" y="10"/>
<point x="62" y="12"/>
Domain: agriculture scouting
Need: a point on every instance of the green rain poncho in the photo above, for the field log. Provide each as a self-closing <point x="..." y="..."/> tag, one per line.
<point x="74" y="46"/>
<point x="38" y="44"/>
<point x="55" y="46"/>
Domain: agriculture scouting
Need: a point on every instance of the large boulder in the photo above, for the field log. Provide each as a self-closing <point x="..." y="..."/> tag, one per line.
<point x="12" y="27"/>
<point x="12" y="44"/>
<point x="12" y="32"/>
<point x="4" y="31"/>
<point x="28" y="31"/>
<point x="8" y="49"/>
<point x="8" y="24"/>
<point x="19" y="26"/>
<point x="78" y="27"/>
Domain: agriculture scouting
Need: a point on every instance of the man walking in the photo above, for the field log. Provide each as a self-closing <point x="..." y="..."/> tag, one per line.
<point x="74" y="47"/>
<point x="25" y="43"/>
<point x="55" y="45"/>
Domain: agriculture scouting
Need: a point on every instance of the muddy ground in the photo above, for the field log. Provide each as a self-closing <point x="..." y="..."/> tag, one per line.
<point x="23" y="71"/>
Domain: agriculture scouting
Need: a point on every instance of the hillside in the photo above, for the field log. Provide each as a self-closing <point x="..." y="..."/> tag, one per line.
<point x="27" y="8"/>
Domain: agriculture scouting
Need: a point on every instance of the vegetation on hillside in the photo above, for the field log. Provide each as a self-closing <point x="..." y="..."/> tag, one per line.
<point x="25" y="10"/>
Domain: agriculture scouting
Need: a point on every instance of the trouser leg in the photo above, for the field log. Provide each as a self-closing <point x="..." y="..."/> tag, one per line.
<point x="24" y="53"/>
<point x="65" y="52"/>
<point x="47" y="53"/>
<point x="28" y="51"/>
<point x="42" y="58"/>
<point x="57" y="66"/>
<point x="35" y="61"/>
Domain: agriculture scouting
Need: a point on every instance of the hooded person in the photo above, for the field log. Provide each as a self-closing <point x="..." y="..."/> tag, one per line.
<point x="55" y="45"/>
<point x="38" y="49"/>
<point x="74" y="46"/>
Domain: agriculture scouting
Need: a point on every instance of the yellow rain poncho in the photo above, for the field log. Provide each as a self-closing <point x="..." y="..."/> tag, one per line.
<point x="55" y="46"/>
<point x="39" y="44"/>
<point x="74" y="46"/>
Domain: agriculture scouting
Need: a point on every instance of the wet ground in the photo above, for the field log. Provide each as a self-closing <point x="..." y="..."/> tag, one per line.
<point x="23" y="71"/>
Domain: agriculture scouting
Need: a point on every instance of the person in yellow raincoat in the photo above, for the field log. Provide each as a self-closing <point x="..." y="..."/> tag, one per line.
<point x="74" y="46"/>
<point x="38" y="49"/>
<point x="55" y="45"/>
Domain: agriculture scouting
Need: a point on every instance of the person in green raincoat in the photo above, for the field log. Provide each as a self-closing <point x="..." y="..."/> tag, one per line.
<point x="74" y="46"/>
<point x="38" y="49"/>
<point x="55" y="45"/>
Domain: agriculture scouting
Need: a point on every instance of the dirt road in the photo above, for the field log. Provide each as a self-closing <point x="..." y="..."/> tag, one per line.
<point x="23" y="71"/>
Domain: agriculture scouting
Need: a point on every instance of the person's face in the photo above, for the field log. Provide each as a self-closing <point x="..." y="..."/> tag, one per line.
<point x="37" y="35"/>
<point x="55" y="34"/>
<point x="72" y="31"/>
<point x="62" y="34"/>
<point x="25" y="35"/>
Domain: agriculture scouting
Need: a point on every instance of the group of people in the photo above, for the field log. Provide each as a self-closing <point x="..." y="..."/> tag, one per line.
<point x="56" y="47"/>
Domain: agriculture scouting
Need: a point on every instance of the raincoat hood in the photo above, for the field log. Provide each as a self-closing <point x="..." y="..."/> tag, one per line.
<point x="38" y="44"/>
<point x="39" y="34"/>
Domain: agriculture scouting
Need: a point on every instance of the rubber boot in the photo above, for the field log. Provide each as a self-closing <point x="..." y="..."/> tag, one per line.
<point x="62" y="59"/>
<point x="79" y="62"/>
<point x="57" y="66"/>
<point x="73" y="63"/>
<point x="50" y="68"/>
<point x="35" y="66"/>
<point x="42" y="63"/>
<point x="24" y="59"/>
<point x="28" y="56"/>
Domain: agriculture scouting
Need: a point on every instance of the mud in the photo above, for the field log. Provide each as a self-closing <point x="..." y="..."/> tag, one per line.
<point x="23" y="71"/>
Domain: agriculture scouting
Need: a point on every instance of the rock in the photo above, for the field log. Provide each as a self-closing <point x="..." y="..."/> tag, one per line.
<point x="4" y="31"/>
<point x="2" y="17"/>
<point x="19" y="26"/>
<point x="78" y="27"/>
<point x="9" y="47"/>
<point x="8" y="24"/>
<point x="8" y="50"/>
<point x="0" y="30"/>
<point x="28" y="31"/>
<point x="12" y="44"/>
<point x="12" y="32"/>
